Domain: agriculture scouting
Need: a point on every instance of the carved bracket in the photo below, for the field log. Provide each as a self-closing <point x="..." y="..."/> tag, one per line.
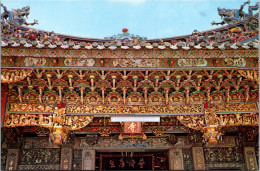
<point x="250" y="74"/>
<point x="14" y="75"/>
<point x="211" y="123"/>
<point x="58" y="123"/>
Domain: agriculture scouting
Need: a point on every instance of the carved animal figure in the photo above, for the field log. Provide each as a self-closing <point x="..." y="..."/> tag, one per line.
<point x="231" y="16"/>
<point x="17" y="16"/>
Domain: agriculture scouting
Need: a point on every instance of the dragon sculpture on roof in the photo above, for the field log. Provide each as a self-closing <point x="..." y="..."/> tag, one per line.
<point x="16" y="16"/>
<point x="232" y="16"/>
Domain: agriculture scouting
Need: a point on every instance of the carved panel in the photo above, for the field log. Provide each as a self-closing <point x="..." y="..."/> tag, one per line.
<point x="239" y="119"/>
<point x="123" y="54"/>
<point x="124" y="109"/>
<point x="113" y="99"/>
<point x="218" y="97"/>
<point x="177" y="98"/>
<point x="50" y="97"/>
<point x="135" y="99"/>
<point x="40" y="156"/>
<point x="66" y="157"/>
<point x="77" y="159"/>
<point x="156" y="99"/>
<point x="224" y="157"/>
<point x="31" y="143"/>
<point x="92" y="98"/>
<point x="88" y="160"/>
<point x="110" y="142"/>
<point x="237" y="107"/>
<point x="250" y="158"/>
<point x="192" y="121"/>
<point x="3" y="158"/>
<point x="31" y="97"/>
<point x="39" y="167"/>
<point x="187" y="159"/>
<point x="257" y="153"/>
<point x="12" y="159"/>
<point x="227" y="141"/>
<point x="198" y="158"/>
<point x="176" y="159"/>
<point x="29" y="107"/>
<point x="71" y="97"/>
<point x="197" y="98"/>
<point x="14" y="75"/>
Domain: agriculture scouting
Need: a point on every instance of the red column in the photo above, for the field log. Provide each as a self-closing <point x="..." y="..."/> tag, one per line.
<point x="3" y="101"/>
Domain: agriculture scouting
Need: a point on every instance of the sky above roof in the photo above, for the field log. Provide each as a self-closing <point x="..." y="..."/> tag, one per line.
<point x="105" y="18"/>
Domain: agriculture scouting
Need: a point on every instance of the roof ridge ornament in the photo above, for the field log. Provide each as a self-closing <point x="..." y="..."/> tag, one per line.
<point x="125" y="36"/>
<point x="16" y="16"/>
<point x="233" y="16"/>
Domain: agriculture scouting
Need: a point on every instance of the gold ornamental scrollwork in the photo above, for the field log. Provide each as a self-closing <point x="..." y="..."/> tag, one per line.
<point x="251" y="74"/>
<point x="133" y="109"/>
<point x="14" y="75"/>
<point x="30" y="107"/>
<point x="237" y="107"/>
<point x="192" y="121"/>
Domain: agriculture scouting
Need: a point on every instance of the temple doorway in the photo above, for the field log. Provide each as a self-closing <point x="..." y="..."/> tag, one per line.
<point x="132" y="160"/>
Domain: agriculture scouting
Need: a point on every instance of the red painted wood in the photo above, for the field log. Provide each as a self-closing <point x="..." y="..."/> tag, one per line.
<point x="3" y="101"/>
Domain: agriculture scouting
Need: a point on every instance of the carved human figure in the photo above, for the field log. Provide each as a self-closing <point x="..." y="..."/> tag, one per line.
<point x="112" y="163"/>
<point x="132" y="163"/>
<point x="141" y="163"/>
<point x="122" y="163"/>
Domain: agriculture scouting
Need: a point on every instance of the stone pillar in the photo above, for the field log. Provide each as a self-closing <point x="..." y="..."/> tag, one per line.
<point x="88" y="159"/>
<point x="198" y="158"/>
<point x="176" y="159"/>
<point x="66" y="159"/>
<point x="250" y="158"/>
<point x="12" y="159"/>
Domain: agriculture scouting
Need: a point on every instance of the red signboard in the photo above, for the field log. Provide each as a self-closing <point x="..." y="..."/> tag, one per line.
<point x="132" y="127"/>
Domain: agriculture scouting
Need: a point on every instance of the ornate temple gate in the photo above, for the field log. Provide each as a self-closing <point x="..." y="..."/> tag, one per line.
<point x="203" y="86"/>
